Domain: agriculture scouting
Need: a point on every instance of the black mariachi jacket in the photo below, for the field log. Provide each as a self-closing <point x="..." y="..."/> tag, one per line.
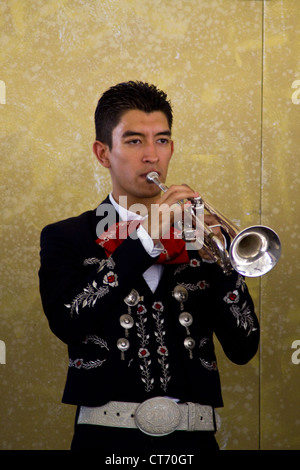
<point x="154" y="350"/>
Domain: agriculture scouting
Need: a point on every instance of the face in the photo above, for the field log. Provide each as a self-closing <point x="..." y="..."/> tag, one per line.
<point x="141" y="143"/>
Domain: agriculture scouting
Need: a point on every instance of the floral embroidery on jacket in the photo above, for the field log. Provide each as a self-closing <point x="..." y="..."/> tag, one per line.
<point x="92" y="292"/>
<point x="208" y="365"/>
<point x="240" y="282"/>
<point x="109" y="262"/>
<point x="194" y="263"/>
<point x="111" y="279"/>
<point x="96" y="340"/>
<point x="143" y="352"/>
<point x="243" y="317"/>
<point x="232" y="297"/>
<point x="193" y="287"/>
<point x="88" y="297"/>
<point x="162" y="350"/>
<point x="242" y="314"/>
<point x="80" y="364"/>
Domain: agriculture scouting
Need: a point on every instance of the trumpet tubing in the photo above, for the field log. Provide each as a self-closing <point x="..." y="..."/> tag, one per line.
<point x="253" y="252"/>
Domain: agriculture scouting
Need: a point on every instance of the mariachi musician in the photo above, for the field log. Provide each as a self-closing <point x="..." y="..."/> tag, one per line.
<point x="137" y="309"/>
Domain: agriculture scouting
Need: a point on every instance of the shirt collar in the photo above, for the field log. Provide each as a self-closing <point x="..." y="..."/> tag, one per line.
<point x="124" y="214"/>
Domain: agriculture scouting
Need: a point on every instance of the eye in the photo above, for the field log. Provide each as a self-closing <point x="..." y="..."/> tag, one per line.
<point x="133" y="141"/>
<point x="163" y="140"/>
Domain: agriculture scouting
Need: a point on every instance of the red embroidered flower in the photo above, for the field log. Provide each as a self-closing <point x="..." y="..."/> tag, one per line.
<point x="143" y="352"/>
<point x="158" y="306"/>
<point x="162" y="350"/>
<point x="111" y="279"/>
<point x="232" y="297"/>
<point x="202" y="285"/>
<point x="141" y="308"/>
<point x="194" y="263"/>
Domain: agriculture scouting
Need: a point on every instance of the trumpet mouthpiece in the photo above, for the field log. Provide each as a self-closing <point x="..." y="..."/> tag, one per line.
<point x="150" y="176"/>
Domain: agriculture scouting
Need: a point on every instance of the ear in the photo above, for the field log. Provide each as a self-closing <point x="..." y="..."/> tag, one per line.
<point x="101" y="151"/>
<point x="172" y="147"/>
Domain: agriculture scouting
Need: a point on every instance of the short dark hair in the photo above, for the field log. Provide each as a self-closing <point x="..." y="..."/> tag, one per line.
<point x="124" y="97"/>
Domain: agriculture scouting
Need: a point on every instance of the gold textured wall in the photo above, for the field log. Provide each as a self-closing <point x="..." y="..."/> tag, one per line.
<point x="232" y="71"/>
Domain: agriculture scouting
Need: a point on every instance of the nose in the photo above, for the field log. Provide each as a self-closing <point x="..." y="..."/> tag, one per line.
<point x="150" y="153"/>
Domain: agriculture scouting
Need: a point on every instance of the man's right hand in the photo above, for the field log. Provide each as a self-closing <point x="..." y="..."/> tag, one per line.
<point x="167" y="210"/>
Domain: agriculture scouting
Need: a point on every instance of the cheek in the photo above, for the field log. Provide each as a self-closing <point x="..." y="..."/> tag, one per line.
<point x="123" y="170"/>
<point x="165" y="161"/>
<point x="119" y="163"/>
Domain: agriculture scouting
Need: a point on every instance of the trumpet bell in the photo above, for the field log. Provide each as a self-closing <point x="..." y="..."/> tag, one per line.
<point x="255" y="251"/>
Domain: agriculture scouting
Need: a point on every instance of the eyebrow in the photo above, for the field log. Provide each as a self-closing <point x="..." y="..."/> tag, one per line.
<point x="133" y="133"/>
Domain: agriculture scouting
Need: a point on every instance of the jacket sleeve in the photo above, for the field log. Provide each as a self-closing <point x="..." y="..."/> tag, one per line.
<point x="235" y="322"/>
<point x="79" y="292"/>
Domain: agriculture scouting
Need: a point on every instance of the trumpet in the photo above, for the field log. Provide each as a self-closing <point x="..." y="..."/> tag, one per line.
<point x="253" y="251"/>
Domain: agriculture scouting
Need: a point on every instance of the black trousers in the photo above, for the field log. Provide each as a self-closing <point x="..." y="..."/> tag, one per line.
<point x="120" y="441"/>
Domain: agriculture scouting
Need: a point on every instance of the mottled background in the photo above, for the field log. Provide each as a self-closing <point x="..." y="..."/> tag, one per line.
<point x="232" y="71"/>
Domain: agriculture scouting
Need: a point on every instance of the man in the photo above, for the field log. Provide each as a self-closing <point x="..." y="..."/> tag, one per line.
<point x="138" y="321"/>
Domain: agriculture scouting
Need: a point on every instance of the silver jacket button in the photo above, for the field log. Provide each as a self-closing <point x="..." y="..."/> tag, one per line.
<point x="132" y="298"/>
<point x="189" y="343"/>
<point x="126" y="321"/>
<point x="185" y="319"/>
<point x="123" y="345"/>
<point x="180" y="293"/>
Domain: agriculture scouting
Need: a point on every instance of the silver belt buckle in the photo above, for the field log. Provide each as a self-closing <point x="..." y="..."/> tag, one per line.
<point x="158" y="416"/>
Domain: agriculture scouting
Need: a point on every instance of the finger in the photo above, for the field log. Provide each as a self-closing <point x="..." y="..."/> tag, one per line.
<point x="177" y="193"/>
<point x="206" y="254"/>
<point x="213" y="223"/>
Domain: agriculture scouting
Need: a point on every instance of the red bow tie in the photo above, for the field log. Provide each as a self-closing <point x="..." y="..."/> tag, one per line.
<point x="174" y="247"/>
